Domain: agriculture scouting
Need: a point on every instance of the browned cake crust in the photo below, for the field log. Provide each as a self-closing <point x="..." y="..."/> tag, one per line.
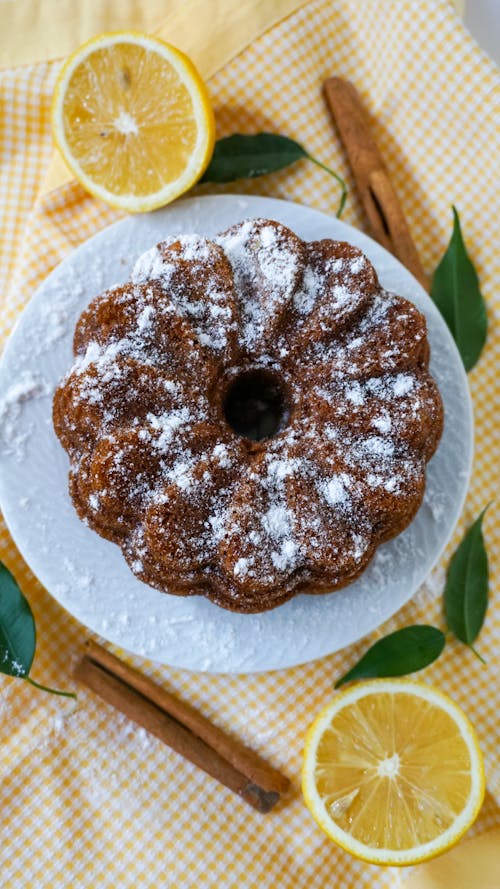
<point x="250" y="416"/>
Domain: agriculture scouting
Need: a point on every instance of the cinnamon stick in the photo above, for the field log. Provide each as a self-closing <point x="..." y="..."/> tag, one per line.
<point x="381" y="203"/>
<point x="181" y="727"/>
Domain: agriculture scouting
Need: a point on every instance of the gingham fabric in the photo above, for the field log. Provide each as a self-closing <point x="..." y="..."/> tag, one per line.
<point x="87" y="798"/>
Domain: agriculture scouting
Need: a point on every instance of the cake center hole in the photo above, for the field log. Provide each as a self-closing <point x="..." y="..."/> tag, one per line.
<point x="255" y="405"/>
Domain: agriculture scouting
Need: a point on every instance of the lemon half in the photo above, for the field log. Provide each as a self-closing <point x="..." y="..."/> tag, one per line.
<point x="393" y="772"/>
<point x="133" y="120"/>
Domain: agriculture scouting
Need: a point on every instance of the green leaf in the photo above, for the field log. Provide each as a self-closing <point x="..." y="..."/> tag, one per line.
<point x="466" y="590"/>
<point x="455" y="290"/>
<point x="399" y="653"/>
<point x="247" y="156"/>
<point x="241" y="157"/>
<point x="17" y="628"/>
<point x="18" y="633"/>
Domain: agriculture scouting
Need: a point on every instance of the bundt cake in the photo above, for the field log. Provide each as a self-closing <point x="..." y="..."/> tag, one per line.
<point x="250" y="416"/>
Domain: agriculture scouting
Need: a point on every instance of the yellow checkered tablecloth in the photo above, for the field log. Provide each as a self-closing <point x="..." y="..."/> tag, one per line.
<point x="87" y="798"/>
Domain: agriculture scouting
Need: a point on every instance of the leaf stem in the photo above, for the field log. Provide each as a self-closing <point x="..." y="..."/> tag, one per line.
<point x="474" y="651"/>
<point x="52" y="691"/>
<point x="343" y="196"/>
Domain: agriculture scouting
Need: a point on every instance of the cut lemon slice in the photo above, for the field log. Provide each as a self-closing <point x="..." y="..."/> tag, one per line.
<point x="393" y="772"/>
<point x="133" y="120"/>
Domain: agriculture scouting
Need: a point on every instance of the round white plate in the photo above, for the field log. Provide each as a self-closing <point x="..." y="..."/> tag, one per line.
<point x="89" y="576"/>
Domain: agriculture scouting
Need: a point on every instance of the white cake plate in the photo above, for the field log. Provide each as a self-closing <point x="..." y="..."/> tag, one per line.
<point x="89" y="576"/>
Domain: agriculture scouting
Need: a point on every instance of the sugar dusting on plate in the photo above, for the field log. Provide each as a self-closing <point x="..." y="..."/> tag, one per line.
<point x="13" y="433"/>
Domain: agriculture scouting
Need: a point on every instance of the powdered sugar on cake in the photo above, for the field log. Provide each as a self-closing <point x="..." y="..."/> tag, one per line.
<point x="196" y="506"/>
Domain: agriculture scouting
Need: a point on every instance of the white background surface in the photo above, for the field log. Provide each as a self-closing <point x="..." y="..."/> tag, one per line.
<point x="482" y="18"/>
<point x="88" y="574"/>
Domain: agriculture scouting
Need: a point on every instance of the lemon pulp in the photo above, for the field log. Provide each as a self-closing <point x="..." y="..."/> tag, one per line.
<point x="412" y="767"/>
